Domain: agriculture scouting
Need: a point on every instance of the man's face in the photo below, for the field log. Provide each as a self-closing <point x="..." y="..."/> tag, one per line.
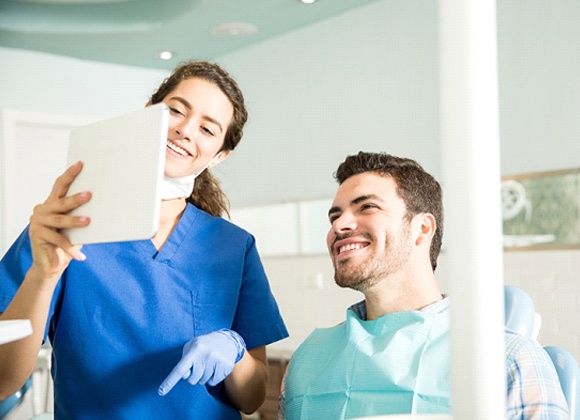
<point x="370" y="238"/>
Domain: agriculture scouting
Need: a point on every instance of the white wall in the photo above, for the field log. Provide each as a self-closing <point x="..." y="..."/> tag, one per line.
<point x="50" y="83"/>
<point x="369" y="79"/>
<point x="539" y="74"/>
<point x="364" y="80"/>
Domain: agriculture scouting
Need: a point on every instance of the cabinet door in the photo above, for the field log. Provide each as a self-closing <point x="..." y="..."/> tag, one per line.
<point x="314" y="226"/>
<point x="274" y="226"/>
<point x="33" y="147"/>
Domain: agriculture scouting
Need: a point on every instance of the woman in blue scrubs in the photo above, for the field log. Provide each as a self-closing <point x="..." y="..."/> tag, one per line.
<point x="174" y="327"/>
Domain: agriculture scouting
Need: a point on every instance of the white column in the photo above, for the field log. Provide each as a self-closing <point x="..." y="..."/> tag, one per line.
<point x="471" y="183"/>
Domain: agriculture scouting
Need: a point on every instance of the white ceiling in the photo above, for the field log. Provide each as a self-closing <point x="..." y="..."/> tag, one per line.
<point x="135" y="32"/>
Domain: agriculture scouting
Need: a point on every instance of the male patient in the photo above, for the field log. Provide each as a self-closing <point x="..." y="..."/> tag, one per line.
<point x="391" y="355"/>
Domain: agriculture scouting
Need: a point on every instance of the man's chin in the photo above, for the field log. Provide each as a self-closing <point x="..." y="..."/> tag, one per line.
<point x="349" y="282"/>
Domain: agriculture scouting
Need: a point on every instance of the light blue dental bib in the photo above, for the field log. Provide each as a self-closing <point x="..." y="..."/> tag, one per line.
<point x="396" y="364"/>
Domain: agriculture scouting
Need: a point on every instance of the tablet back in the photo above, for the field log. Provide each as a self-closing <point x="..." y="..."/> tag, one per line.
<point x="123" y="164"/>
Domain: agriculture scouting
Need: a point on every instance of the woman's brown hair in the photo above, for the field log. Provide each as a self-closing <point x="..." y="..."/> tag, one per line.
<point x="207" y="194"/>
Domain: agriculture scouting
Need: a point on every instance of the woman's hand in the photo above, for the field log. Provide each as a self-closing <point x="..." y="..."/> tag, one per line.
<point x="51" y="250"/>
<point x="207" y="359"/>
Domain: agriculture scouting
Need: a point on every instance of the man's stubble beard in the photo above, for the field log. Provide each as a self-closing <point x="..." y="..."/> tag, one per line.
<point x="375" y="267"/>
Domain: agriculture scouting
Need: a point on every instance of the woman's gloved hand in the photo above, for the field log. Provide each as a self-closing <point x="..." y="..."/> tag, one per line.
<point x="207" y="359"/>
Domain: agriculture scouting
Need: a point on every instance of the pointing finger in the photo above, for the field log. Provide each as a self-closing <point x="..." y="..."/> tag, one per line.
<point x="180" y="371"/>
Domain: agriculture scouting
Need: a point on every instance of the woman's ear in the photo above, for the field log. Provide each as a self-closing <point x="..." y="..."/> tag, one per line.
<point x="427" y="227"/>
<point x="220" y="157"/>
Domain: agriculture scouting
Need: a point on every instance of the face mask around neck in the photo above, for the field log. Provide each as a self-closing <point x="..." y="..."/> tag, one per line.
<point x="172" y="188"/>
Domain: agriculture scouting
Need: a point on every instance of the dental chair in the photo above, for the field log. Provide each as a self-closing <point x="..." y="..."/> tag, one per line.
<point x="569" y="375"/>
<point x="520" y="313"/>
<point x="521" y="317"/>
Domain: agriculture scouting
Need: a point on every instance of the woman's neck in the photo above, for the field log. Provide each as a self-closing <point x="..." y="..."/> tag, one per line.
<point x="171" y="211"/>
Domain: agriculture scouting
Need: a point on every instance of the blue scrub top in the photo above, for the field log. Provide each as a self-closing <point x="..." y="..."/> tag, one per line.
<point x="119" y="320"/>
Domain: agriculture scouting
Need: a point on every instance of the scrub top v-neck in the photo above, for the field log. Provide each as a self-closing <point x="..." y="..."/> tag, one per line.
<point x="174" y="240"/>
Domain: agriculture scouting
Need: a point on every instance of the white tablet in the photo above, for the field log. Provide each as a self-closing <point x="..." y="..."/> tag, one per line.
<point x="14" y="329"/>
<point x="123" y="164"/>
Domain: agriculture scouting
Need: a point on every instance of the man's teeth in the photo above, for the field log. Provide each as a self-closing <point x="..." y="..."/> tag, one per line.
<point x="349" y="247"/>
<point x="177" y="149"/>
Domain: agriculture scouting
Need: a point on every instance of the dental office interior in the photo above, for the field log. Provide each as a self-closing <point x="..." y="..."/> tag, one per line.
<point x="367" y="79"/>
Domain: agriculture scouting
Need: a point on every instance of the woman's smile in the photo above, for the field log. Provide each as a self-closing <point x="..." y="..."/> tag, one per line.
<point x="176" y="149"/>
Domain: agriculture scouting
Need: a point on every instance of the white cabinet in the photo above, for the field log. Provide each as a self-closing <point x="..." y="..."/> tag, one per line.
<point x="314" y="225"/>
<point x="33" y="148"/>
<point x="287" y="229"/>
<point x="275" y="227"/>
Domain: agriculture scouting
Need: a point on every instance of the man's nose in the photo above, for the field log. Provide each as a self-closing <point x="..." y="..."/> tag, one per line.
<point x="346" y="222"/>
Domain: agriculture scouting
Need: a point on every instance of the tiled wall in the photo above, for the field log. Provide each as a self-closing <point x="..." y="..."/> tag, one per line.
<point x="309" y="298"/>
<point x="552" y="278"/>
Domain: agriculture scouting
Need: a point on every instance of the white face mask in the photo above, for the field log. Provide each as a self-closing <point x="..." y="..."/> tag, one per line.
<point x="181" y="187"/>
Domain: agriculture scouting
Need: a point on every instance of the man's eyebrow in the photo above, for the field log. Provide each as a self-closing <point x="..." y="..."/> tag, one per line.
<point x="356" y="201"/>
<point x="366" y="197"/>
<point x="205" y="117"/>
<point x="334" y="209"/>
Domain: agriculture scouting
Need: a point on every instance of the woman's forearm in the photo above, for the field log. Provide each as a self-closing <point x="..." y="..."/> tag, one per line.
<point x="18" y="358"/>
<point x="246" y="386"/>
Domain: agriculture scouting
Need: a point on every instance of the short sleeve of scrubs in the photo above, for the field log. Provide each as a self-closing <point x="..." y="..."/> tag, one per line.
<point x="257" y="317"/>
<point x="13" y="267"/>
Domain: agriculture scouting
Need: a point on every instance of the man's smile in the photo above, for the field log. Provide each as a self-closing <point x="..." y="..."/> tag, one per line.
<point x="350" y="244"/>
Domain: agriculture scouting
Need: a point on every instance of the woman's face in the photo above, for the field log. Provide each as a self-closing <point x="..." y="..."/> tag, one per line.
<point x="199" y="116"/>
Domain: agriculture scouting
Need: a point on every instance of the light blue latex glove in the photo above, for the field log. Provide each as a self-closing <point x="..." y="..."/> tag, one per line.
<point x="207" y="359"/>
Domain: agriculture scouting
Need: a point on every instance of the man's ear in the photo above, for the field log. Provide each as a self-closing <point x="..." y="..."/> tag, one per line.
<point x="223" y="155"/>
<point x="427" y="227"/>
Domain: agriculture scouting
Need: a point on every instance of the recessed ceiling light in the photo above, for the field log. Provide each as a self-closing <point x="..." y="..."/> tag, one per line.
<point x="166" y="55"/>
<point x="234" y="29"/>
<point x="307" y="1"/>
